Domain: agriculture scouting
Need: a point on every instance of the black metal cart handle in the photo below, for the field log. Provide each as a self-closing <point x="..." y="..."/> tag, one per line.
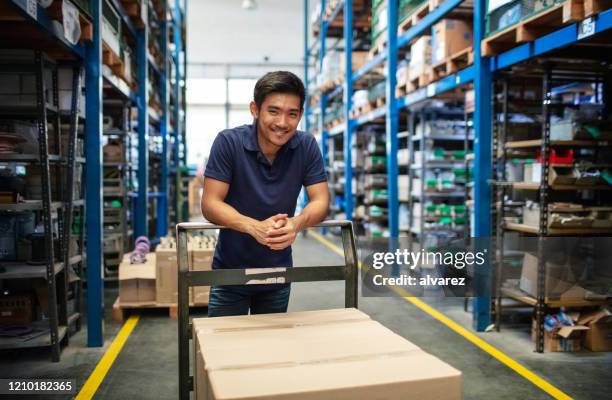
<point x="186" y="278"/>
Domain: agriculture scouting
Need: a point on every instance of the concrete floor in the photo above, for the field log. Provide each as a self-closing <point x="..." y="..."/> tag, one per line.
<point x="146" y="368"/>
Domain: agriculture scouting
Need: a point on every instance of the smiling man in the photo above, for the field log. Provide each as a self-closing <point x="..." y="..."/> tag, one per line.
<point x="252" y="181"/>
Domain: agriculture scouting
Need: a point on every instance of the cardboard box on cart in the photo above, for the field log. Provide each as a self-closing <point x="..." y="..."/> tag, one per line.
<point x="312" y="355"/>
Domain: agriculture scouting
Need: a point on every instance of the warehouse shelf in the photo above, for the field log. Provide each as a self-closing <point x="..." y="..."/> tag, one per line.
<point x="519" y="144"/>
<point x="518" y="295"/>
<point x="40" y="338"/>
<point x="480" y="74"/>
<point x="537" y="186"/>
<point x="20" y="270"/>
<point x="30" y="205"/>
<point x="36" y="14"/>
<point x="26" y="24"/>
<point x="534" y="230"/>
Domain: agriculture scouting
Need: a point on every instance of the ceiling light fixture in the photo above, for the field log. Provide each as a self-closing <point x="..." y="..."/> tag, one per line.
<point x="249" y="4"/>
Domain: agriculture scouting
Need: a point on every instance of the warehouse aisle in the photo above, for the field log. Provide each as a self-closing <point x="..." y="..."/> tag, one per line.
<point x="146" y="368"/>
<point x="140" y="372"/>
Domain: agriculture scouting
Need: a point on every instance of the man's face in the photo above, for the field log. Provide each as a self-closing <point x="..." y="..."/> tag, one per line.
<point x="278" y="117"/>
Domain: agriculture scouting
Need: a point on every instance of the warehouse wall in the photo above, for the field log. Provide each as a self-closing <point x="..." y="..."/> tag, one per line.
<point x="224" y="32"/>
<point x="227" y="41"/>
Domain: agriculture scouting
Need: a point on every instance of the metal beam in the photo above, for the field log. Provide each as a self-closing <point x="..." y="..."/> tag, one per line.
<point x="392" y="119"/>
<point x="348" y="104"/>
<point x="162" y="202"/>
<point x="142" y="202"/>
<point x="93" y="182"/>
<point x="482" y="164"/>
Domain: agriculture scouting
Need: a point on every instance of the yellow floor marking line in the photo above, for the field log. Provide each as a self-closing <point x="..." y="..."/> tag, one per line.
<point x="99" y="373"/>
<point x="469" y="336"/>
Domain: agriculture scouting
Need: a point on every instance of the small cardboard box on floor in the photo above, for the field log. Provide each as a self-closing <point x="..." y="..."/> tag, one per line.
<point x="137" y="281"/>
<point x="340" y="354"/>
<point x="599" y="335"/>
<point x="563" y="339"/>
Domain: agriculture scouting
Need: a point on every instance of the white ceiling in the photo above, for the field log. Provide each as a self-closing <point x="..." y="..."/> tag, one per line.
<point x="221" y="31"/>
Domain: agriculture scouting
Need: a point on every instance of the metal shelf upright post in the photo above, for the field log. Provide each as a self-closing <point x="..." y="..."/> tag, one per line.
<point x="93" y="197"/>
<point x="348" y="105"/>
<point x="142" y="200"/>
<point x="481" y="307"/>
<point x="162" y="200"/>
<point x="392" y="119"/>
<point x="178" y="126"/>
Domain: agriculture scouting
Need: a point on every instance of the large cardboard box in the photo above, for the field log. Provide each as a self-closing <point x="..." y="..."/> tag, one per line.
<point x="557" y="277"/>
<point x="599" y="335"/>
<point x="340" y="354"/>
<point x="166" y="266"/>
<point x="420" y="57"/>
<point x="137" y="281"/>
<point x="450" y="36"/>
<point x="201" y="260"/>
<point x="564" y="339"/>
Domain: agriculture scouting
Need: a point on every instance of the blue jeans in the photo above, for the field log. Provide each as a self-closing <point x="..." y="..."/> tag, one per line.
<point x="236" y="300"/>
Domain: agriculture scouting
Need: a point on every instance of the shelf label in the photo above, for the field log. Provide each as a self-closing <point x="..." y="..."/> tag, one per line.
<point x="32" y="8"/>
<point x="431" y="90"/>
<point x="586" y="28"/>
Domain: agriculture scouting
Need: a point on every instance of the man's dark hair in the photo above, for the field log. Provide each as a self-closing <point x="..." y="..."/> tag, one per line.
<point x="279" y="82"/>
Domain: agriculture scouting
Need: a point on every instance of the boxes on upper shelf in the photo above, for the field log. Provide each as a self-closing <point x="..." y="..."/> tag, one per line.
<point x="449" y="37"/>
<point x="420" y="57"/>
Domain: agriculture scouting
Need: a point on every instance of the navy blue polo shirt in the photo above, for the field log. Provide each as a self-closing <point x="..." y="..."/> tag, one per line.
<point x="259" y="190"/>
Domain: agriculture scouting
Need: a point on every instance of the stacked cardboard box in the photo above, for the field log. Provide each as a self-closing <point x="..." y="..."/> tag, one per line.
<point x="420" y="57"/>
<point x="450" y="37"/>
<point x="166" y="267"/>
<point x="137" y="281"/>
<point x="338" y="353"/>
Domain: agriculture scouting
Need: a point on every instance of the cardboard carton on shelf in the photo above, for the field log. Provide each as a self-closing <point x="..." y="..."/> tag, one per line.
<point x="313" y="355"/>
<point x="599" y="335"/>
<point x="449" y="37"/>
<point x="557" y="277"/>
<point x="137" y="281"/>
<point x="420" y="57"/>
<point x="563" y="339"/>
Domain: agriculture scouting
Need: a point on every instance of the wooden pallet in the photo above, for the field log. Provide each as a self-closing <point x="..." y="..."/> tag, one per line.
<point x="592" y="7"/>
<point x="121" y="309"/>
<point x="417" y="15"/>
<point x="379" y="47"/>
<point x="413" y="84"/>
<point x="363" y="109"/>
<point x="113" y="61"/>
<point x="331" y="84"/>
<point x="452" y="64"/>
<point x="132" y="9"/>
<point x="538" y="25"/>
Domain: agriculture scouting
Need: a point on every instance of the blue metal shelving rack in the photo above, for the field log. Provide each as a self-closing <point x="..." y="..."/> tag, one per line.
<point x="90" y="54"/>
<point x="480" y="74"/>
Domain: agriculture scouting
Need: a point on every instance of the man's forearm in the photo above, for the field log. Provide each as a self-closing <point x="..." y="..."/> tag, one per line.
<point x="221" y="213"/>
<point x="313" y="213"/>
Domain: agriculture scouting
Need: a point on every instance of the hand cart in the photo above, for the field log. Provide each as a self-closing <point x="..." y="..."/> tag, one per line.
<point x="186" y="279"/>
